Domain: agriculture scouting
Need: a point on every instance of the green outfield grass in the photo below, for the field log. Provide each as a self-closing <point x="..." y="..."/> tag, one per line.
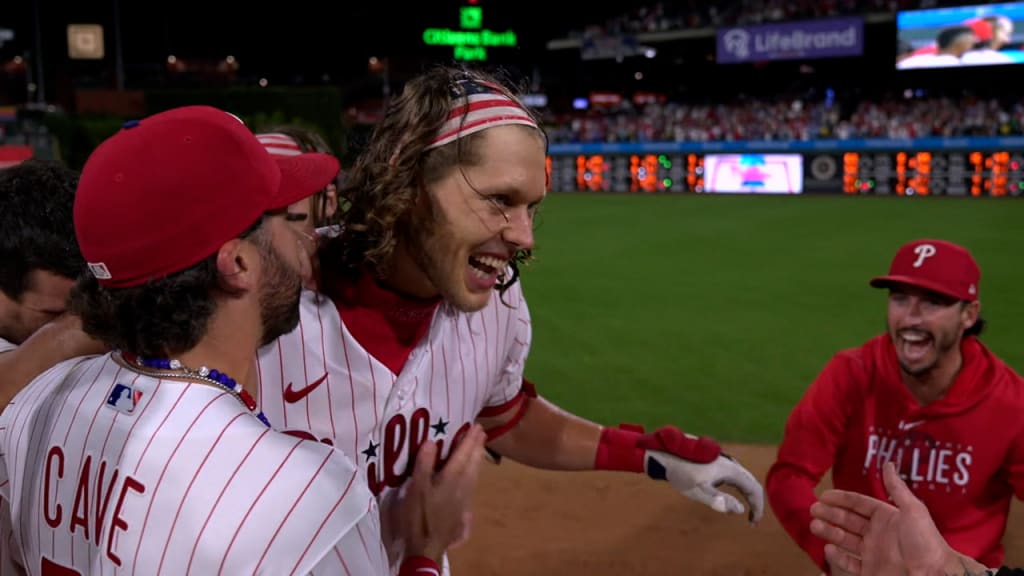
<point x="714" y="313"/>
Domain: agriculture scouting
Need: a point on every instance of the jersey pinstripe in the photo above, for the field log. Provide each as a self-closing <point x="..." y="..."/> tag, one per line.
<point x="109" y="471"/>
<point x="320" y="381"/>
<point x="7" y="565"/>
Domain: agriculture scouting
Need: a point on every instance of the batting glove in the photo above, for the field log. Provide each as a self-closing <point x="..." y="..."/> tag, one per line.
<point x="695" y="466"/>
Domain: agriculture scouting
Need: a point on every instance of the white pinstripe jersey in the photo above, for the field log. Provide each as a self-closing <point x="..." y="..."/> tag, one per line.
<point x="320" y="380"/>
<point x="7" y="563"/>
<point x="108" y="471"/>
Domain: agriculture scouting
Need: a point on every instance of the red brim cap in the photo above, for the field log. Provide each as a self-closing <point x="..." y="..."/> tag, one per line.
<point x="935" y="265"/>
<point x="302" y="176"/>
<point x="938" y="288"/>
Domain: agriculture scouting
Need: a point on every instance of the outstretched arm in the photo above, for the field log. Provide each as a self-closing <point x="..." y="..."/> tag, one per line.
<point x="545" y="437"/>
<point x="527" y="428"/>
<point x="541" y="435"/>
<point x="814" y="432"/>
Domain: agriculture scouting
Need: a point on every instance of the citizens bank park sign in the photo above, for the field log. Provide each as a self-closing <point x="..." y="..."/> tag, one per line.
<point x="471" y="40"/>
<point x="791" y="40"/>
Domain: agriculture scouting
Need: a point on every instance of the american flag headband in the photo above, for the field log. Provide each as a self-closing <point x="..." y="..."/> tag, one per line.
<point x="278" y="144"/>
<point x="478" y="106"/>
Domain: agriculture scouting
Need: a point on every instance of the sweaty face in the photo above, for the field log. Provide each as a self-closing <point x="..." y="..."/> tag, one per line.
<point x="44" y="299"/>
<point x="281" y="285"/>
<point x="926" y="327"/>
<point x="479" y="216"/>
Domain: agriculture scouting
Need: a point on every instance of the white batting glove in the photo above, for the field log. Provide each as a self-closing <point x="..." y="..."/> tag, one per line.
<point x="695" y="466"/>
<point x="701" y="481"/>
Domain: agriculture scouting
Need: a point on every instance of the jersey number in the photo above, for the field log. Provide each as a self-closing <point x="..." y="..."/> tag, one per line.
<point x="51" y="568"/>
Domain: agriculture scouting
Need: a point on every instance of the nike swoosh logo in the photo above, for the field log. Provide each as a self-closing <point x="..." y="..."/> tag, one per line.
<point x="909" y="425"/>
<point x="292" y="395"/>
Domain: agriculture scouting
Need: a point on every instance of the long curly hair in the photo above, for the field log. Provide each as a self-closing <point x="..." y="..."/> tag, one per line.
<point x="382" y="186"/>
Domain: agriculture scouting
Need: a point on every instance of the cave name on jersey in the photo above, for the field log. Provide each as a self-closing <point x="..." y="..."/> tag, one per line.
<point x="93" y="489"/>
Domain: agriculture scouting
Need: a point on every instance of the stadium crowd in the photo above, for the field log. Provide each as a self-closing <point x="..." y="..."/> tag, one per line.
<point x="689" y="14"/>
<point x="792" y="119"/>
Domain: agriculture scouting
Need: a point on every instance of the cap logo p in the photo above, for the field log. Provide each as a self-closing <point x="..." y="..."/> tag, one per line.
<point x="923" y="251"/>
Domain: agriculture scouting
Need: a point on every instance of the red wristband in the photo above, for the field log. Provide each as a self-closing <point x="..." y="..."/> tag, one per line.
<point x="419" y="566"/>
<point x="618" y="450"/>
<point x="624" y="448"/>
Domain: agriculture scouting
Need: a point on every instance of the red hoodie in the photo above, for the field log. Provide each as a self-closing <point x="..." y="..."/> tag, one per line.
<point x="962" y="455"/>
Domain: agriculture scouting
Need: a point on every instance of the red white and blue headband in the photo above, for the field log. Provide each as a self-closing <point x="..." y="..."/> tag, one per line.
<point x="478" y="106"/>
<point x="278" y="144"/>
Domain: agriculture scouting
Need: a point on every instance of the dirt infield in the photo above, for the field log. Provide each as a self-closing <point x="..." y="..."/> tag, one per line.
<point x="532" y="522"/>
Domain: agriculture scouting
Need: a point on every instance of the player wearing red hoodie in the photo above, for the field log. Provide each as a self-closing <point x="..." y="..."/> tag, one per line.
<point x="926" y="395"/>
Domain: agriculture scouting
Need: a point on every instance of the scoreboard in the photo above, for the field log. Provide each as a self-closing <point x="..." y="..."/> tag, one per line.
<point x="925" y="173"/>
<point x="627" y="173"/>
<point x="909" y="171"/>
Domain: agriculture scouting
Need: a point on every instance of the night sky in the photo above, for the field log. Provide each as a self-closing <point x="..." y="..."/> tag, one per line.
<point x="306" y="40"/>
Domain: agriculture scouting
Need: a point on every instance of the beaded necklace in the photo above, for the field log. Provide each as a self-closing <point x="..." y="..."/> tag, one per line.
<point x="165" y="368"/>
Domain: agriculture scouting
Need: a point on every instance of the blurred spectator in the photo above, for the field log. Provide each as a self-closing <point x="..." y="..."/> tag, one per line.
<point x="792" y="119"/>
<point x="689" y="14"/>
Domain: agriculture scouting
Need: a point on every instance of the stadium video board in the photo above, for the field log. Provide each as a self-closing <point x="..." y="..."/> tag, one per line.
<point x="754" y="173"/>
<point x="960" y="36"/>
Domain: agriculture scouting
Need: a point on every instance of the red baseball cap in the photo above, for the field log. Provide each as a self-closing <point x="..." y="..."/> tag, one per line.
<point x="167" y="191"/>
<point x="982" y="28"/>
<point x="934" y="265"/>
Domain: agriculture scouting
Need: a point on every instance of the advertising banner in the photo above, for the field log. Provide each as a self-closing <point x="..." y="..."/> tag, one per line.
<point x="791" y="40"/>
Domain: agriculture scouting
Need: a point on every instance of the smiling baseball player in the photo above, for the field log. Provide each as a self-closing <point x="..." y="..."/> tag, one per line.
<point x="422" y="328"/>
<point x="923" y="395"/>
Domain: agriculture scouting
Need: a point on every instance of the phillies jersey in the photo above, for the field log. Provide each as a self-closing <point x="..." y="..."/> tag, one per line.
<point x="321" y="380"/>
<point x="7" y="563"/>
<point x="107" y="470"/>
<point x="962" y="455"/>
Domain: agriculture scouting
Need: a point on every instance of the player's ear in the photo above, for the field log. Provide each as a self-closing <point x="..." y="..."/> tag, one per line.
<point x="969" y="314"/>
<point x="236" y="265"/>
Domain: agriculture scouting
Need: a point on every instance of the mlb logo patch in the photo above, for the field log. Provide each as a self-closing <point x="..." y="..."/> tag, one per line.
<point x="124" y="398"/>
<point x="100" y="270"/>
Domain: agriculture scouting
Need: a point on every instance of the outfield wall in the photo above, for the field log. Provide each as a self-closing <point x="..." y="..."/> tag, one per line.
<point x="977" y="166"/>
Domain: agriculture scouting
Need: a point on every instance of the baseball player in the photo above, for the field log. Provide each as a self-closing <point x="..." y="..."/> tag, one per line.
<point x="310" y="213"/>
<point x="154" y="458"/>
<point x="39" y="260"/>
<point x="290" y="140"/>
<point x="422" y="328"/>
<point x="923" y="395"/>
